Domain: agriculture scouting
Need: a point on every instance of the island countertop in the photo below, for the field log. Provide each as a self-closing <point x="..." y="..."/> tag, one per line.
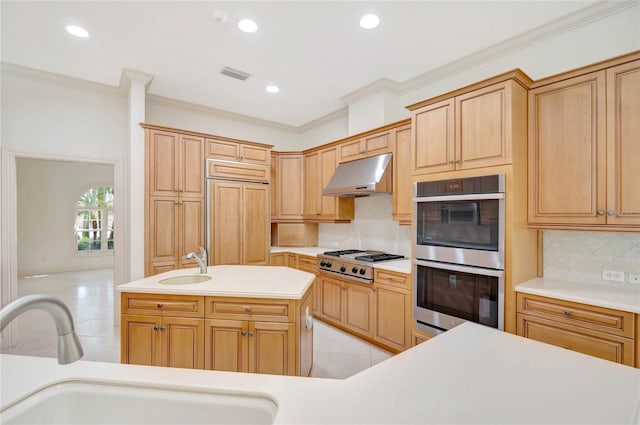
<point x="470" y="374"/>
<point x="230" y="281"/>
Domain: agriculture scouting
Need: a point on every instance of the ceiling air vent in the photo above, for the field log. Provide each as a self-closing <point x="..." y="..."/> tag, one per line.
<point x="234" y="73"/>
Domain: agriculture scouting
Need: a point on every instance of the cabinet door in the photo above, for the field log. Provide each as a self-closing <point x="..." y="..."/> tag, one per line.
<point x="190" y="229"/>
<point x="567" y="151"/>
<point x="604" y="346"/>
<point x="254" y="154"/>
<point x="163" y="234"/>
<point x="183" y="342"/>
<point x="311" y="186"/>
<point x="402" y="186"/>
<point x="623" y="144"/>
<point x="141" y="340"/>
<point x="191" y="167"/>
<point x="255" y="224"/>
<point x="359" y="309"/>
<point x="378" y="143"/>
<point x="275" y="189"/>
<point x="483" y="122"/>
<point x="226" y="218"/>
<point x="328" y="165"/>
<point x="392" y="309"/>
<point x="163" y="166"/>
<point x="317" y="296"/>
<point x="331" y="298"/>
<point x="432" y="146"/>
<point x="278" y="259"/>
<point x="221" y="149"/>
<point x="351" y="150"/>
<point x="226" y="345"/>
<point x="290" y="200"/>
<point x="272" y="348"/>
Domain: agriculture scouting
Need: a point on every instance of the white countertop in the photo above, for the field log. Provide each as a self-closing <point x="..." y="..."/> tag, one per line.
<point x="470" y="374"/>
<point x="609" y="296"/>
<point x="400" y="266"/>
<point x="231" y="281"/>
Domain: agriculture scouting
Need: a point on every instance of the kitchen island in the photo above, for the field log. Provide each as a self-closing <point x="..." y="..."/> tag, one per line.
<point x="470" y="374"/>
<point x="233" y="318"/>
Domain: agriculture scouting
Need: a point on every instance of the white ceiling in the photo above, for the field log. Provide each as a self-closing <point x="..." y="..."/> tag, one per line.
<point x="314" y="50"/>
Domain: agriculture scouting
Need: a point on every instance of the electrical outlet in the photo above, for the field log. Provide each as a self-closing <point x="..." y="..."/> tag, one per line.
<point x="634" y="278"/>
<point x="613" y="275"/>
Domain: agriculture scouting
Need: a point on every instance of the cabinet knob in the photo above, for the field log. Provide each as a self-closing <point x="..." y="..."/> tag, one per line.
<point x="373" y="289"/>
<point x="450" y="162"/>
<point x="244" y="333"/>
<point x="601" y="212"/>
<point x="247" y="309"/>
<point x="567" y="312"/>
<point x="250" y="333"/>
<point x="155" y="328"/>
<point x="611" y="213"/>
<point x="160" y="305"/>
<point x="162" y="328"/>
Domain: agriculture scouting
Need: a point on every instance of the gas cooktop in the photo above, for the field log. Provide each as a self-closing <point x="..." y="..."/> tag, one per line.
<point x="353" y="263"/>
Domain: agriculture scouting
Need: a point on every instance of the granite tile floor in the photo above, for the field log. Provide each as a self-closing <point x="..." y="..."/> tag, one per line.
<point x="90" y="297"/>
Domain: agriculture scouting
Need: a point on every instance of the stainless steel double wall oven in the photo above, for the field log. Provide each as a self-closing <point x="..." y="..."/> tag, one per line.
<point x="459" y="252"/>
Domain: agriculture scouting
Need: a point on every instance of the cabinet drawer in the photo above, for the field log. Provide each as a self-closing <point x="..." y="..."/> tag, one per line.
<point x="162" y="305"/>
<point x="604" y="346"/>
<point x="601" y="319"/>
<point x="277" y="311"/>
<point x="308" y="264"/>
<point x="237" y="171"/>
<point x="385" y="277"/>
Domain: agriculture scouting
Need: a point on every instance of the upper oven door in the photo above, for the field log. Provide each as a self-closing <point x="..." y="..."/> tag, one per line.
<point x="461" y="229"/>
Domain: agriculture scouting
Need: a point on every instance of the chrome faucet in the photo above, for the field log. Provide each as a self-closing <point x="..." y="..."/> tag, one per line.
<point x="201" y="259"/>
<point x="69" y="348"/>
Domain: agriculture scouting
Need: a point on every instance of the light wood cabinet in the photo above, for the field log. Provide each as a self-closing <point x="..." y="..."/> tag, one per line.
<point x="583" y="150"/>
<point x="294" y="234"/>
<point x="597" y="331"/>
<point x="347" y="305"/>
<point x="319" y="167"/>
<point x="290" y="178"/>
<point x="236" y="151"/>
<point x="218" y="333"/>
<point x="473" y="129"/>
<point x="174" y="199"/>
<point x="418" y="337"/>
<point x="392" y="309"/>
<point x="275" y="189"/>
<point x="366" y="146"/>
<point x="161" y="330"/>
<point x="402" y="196"/>
<point x="239" y="223"/>
<point x="278" y="259"/>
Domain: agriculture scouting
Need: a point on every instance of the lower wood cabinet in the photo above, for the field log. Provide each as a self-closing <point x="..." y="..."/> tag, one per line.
<point x="219" y="333"/>
<point x="418" y="337"/>
<point x="348" y="305"/>
<point x="247" y="346"/>
<point x="596" y="331"/>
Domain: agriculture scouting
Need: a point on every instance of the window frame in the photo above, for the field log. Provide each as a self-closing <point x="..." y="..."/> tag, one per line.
<point x="104" y="230"/>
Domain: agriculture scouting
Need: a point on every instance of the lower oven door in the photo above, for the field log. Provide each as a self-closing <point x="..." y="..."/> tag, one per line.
<point x="446" y="295"/>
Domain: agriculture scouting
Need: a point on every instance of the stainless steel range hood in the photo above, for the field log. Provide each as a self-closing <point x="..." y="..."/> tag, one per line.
<point x="362" y="177"/>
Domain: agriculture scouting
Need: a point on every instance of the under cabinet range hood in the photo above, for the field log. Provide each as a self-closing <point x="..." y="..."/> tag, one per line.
<point x="362" y="177"/>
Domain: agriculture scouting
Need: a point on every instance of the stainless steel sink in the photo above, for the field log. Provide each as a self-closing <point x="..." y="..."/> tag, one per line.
<point x="185" y="280"/>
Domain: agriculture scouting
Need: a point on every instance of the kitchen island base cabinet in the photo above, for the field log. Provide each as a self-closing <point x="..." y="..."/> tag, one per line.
<point x="235" y="334"/>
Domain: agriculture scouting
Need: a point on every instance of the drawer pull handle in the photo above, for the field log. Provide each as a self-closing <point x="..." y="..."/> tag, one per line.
<point x="567" y="312"/>
<point x="247" y="309"/>
<point x="567" y="347"/>
<point x="160" y="305"/>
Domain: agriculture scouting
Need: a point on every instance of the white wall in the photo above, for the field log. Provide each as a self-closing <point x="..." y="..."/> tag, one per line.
<point x="47" y="194"/>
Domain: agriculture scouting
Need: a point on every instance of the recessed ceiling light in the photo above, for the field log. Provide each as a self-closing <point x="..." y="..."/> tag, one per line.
<point x="247" y="25"/>
<point x="369" y="21"/>
<point x="219" y="16"/>
<point x="77" y="31"/>
<point x="273" y="89"/>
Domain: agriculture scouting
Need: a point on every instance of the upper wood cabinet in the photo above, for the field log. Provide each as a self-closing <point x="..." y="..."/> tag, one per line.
<point x="402" y="187"/>
<point x="472" y="129"/>
<point x="366" y="146"/>
<point x="289" y="187"/>
<point x="319" y="167"/>
<point x="274" y="186"/>
<point x="175" y="164"/>
<point x="584" y="151"/>
<point x="237" y="151"/>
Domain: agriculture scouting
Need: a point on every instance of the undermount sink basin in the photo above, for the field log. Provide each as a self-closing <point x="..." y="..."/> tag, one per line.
<point x="185" y="280"/>
<point x="83" y="402"/>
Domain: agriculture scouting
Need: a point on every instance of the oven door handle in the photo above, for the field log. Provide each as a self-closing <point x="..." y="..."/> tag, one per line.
<point x="470" y="197"/>
<point x="462" y="269"/>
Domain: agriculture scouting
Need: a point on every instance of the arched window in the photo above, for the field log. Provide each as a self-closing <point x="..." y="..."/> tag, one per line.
<point x="94" y="220"/>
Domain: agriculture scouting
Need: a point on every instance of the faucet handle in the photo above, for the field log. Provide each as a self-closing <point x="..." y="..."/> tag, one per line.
<point x="203" y="253"/>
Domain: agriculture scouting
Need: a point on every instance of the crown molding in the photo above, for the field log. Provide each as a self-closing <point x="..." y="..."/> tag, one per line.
<point x="130" y="75"/>
<point x="383" y="85"/>
<point x="331" y="116"/>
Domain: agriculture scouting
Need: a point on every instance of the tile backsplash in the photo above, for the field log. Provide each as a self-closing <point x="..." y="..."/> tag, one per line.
<point x="372" y="228"/>
<point x="582" y="256"/>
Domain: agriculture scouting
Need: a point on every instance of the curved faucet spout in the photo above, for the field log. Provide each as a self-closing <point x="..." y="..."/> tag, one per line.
<point x="201" y="259"/>
<point x="69" y="347"/>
